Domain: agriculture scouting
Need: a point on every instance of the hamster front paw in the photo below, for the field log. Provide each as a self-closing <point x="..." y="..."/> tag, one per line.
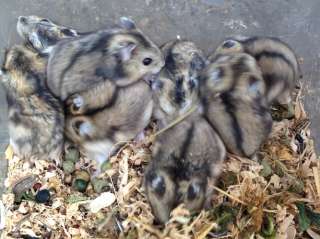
<point x="75" y="104"/>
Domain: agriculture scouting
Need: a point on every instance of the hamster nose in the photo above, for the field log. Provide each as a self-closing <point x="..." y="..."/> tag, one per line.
<point x="22" y="19"/>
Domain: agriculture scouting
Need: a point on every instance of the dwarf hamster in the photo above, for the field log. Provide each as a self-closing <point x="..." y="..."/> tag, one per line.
<point x="183" y="63"/>
<point x="122" y="55"/>
<point x="186" y="160"/>
<point x="278" y="63"/>
<point x="240" y="112"/>
<point x="116" y="103"/>
<point x="36" y="119"/>
<point x="41" y="33"/>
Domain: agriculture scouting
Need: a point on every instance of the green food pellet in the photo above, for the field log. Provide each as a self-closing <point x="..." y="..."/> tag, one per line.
<point x="43" y="196"/>
<point x="82" y="174"/>
<point x="68" y="166"/>
<point x="72" y="155"/>
<point x="80" y="185"/>
<point x="105" y="166"/>
<point x="99" y="185"/>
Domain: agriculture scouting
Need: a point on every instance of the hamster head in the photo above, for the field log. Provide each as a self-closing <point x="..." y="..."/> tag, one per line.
<point x="234" y="71"/>
<point x="138" y="56"/>
<point x="23" y="71"/>
<point x="41" y="33"/>
<point x="161" y="192"/>
<point x="183" y="63"/>
<point x="167" y="98"/>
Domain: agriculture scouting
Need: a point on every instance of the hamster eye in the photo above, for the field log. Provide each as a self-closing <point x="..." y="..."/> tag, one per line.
<point x="147" y="61"/>
<point x="228" y="44"/>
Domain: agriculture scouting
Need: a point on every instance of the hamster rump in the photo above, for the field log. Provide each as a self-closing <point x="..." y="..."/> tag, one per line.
<point x="242" y="125"/>
<point x="41" y="33"/>
<point x="35" y="117"/>
<point x="277" y="60"/>
<point x="121" y="55"/>
<point x="234" y="101"/>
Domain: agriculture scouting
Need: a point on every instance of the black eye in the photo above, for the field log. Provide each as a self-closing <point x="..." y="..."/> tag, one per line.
<point x="229" y="44"/>
<point x="147" y="61"/>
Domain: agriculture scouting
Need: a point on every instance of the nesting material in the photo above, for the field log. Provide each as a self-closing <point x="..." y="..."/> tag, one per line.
<point x="275" y="196"/>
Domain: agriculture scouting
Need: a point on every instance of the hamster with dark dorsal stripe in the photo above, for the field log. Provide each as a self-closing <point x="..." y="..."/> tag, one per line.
<point x="111" y="100"/>
<point x="234" y="102"/>
<point x="183" y="64"/>
<point x="35" y="117"/>
<point x="123" y="55"/>
<point x="41" y="33"/>
<point x="177" y="88"/>
<point x="278" y="63"/>
<point x="186" y="159"/>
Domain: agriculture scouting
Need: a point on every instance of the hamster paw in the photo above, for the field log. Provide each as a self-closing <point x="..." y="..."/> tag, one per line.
<point x="82" y="128"/>
<point x="85" y="128"/>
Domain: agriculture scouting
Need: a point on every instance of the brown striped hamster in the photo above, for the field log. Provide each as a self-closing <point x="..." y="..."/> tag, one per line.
<point x="121" y="55"/>
<point x="239" y="113"/>
<point x="119" y="106"/>
<point x="36" y="119"/>
<point x="41" y="33"/>
<point x="183" y="64"/>
<point x="186" y="160"/>
<point x="177" y="88"/>
<point x="278" y="63"/>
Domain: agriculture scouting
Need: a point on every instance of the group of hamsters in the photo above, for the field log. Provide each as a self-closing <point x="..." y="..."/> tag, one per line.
<point x="102" y="88"/>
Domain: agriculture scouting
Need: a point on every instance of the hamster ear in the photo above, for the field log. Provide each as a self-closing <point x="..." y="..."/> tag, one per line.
<point x="124" y="51"/>
<point x="127" y="23"/>
<point x="229" y="43"/>
<point x="194" y="191"/>
<point x="197" y="62"/>
<point x="35" y="41"/>
<point x="158" y="184"/>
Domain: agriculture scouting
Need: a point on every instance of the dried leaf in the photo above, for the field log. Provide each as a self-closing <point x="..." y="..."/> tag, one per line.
<point x="9" y="153"/>
<point x="312" y="234"/>
<point x="104" y="200"/>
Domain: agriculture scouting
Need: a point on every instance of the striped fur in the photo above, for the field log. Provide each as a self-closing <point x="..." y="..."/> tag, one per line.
<point x="36" y="120"/>
<point x="278" y="63"/>
<point x="104" y="78"/>
<point x="41" y="33"/>
<point x="187" y="158"/>
<point x="234" y="102"/>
